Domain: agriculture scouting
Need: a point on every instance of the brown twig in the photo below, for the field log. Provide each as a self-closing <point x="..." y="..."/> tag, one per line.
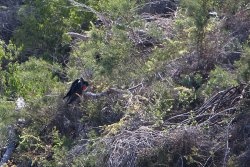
<point x="217" y="105"/>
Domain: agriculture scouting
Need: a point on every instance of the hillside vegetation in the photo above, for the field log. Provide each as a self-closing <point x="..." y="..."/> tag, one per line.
<point x="170" y="83"/>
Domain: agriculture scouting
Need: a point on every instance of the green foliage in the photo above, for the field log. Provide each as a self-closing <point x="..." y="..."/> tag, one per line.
<point x="8" y="51"/>
<point x="94" y="158"/>
<point x="31" y="147"/>
<point x="191" y="80"/>
<point x="6" y="109"/>
<point x="119" y="9"/>
<point x="101" y="112"/>
<point x="30" y="142"/>
<point x="7" y="117"/>
<point x="32" y="79"/>
<point x="198" y="10"/>
<point x="94" y="111"/>
<point x="8" y="54"/>
<point x="243" y="66"/>
<point x="109" y="54"/>
<point x="113" y="57"/>
<point x="219" y="79"/>
<point x="43" y="23"/>
<point x="11" y="52"/>
<point x="58" y="151"/>
<point x="163" y="102"/>
<point x="87" y="52"/>
<point x="185" y="96"/>
<point x="162" y="56"/>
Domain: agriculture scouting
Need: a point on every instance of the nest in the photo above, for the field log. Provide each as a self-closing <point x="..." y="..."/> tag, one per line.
<point x="127" y="146"/>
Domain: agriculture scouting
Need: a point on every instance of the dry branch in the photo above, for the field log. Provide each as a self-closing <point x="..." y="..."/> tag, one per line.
<point x="219" y="105"/>
<point x="112" y="90"/>
<point x="125" y="147"/>
<point x="105" y="93"/>
<point x="105" y="21"/>
<point x="83" y="37"/>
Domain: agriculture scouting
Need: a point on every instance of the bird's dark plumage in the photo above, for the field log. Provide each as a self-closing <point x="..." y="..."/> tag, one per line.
<point x="76" y="89"/>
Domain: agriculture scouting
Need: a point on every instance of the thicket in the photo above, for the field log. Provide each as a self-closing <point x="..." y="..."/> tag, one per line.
<point x="179" y="84"/>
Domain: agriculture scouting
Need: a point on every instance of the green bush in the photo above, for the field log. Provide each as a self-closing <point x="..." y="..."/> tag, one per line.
<point x="191" y="80"/>
<point x="119" y="9"/>
<point x="8" y="55"/>
<point x="43" y="24"/>
<point x="32" y="79"/>
<point x="109" y="54"/>
<point x="7" y="117"/>
<point x="58" y="151"/>
<point x="198" y="10"/>
<point x="243" y="66"/>
<point x="163" y="102"/>
<point x="219" y="79"/>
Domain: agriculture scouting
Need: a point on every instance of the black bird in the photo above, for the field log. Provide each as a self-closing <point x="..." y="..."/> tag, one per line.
<point x="77" y="88"/>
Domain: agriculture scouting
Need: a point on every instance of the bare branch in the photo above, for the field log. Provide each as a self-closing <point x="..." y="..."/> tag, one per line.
<point x="112" y="90"/>
<point x="83" y="37"/>
<point x="98" y="14"/>
<point x="212" y="109"/>
<point x="134" y="87"/>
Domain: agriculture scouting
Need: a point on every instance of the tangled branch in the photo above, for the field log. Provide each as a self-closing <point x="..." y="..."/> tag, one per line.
<point x="125" y="147"/>
<point x="219" y="105"/>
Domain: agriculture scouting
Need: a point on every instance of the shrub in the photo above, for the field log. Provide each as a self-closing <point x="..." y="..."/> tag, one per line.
<point x="219" y="79"/>
<point x="109" y="54"/>
<point x="7" y="117"/>
<point x="198" y="10"/>
<point x="32" y="79"/>
<point x="243" y="66"/>
<point x="43" y="24"/>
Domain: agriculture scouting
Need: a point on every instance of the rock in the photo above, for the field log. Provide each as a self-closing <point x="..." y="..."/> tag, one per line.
<point x="162" y="7"/>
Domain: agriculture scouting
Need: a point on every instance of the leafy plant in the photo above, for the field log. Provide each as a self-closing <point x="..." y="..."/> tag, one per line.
<point x="191" y="80"/>
<point x="219" y="79"/>
<point x="43" y="24"/>
<point x="58" y="151"/>
<point x="32" y="79"/>
<point x="7" y="117"/>
<point x="109" y="54"/>
<point x="198" y="10"/>
<point x="243" y="66"/>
